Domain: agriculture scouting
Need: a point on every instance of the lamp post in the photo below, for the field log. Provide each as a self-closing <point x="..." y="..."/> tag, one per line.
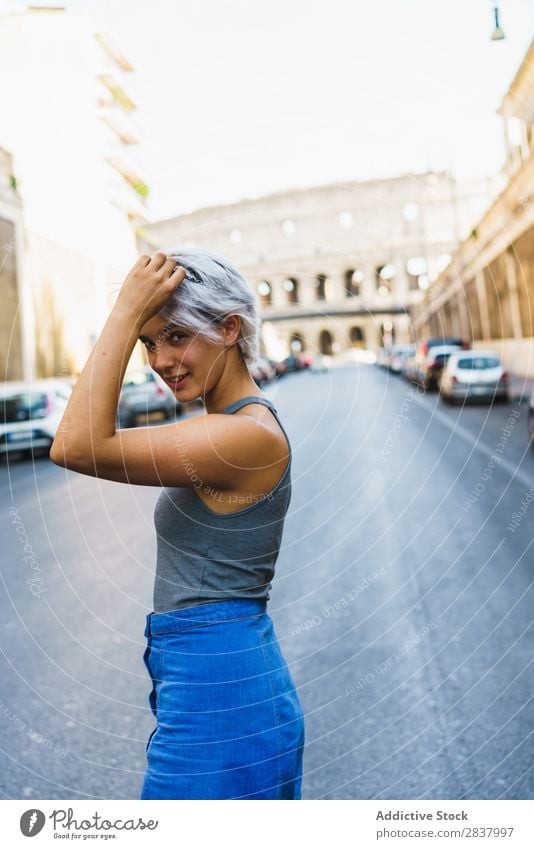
<point x="497" y="34"/>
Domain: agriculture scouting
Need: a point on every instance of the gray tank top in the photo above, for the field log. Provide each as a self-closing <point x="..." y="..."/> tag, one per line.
<point x="204" y="556"/>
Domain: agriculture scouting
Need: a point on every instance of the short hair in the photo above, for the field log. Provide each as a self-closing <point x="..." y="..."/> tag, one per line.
<point x="212" y="290"/>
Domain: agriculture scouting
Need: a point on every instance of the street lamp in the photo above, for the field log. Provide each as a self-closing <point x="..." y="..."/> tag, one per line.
<point x="497" y="34"/>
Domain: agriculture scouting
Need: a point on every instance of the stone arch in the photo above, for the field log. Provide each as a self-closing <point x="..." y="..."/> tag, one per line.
<point x="297" y="342"/>
<point x="320" y="286"/>
<point x="326" y="341"/>
<point x="384" y="277"/>
<point x="291" y="288"/>
<point x="387" y="333"/>
<point x="353" y="278"/>
<point x="265" y="293"/>
<point x="357" y="337"/>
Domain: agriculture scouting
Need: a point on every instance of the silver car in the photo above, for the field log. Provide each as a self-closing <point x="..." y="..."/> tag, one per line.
<point x="397" y="356"/>
<point x="474" y="374"/>
<point x="144" y="393"/>
<point x="30" y="414"/>
<point x="429" y="370"/>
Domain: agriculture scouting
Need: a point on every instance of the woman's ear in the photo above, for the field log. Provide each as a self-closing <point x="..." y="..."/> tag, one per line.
<point x="231" y="329"/>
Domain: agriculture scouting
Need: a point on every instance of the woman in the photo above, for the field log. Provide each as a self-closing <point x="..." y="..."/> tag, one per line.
<point x="229" y="723"/>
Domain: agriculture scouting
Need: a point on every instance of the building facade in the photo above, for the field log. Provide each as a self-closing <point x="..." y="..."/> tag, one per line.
<point x="336" y="266"/>
<point x="68" y="119"/>
<point x="14" y="356"/>
<point x="487" y="292"/>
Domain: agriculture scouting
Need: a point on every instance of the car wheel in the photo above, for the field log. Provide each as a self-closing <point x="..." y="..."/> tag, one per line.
<point x="127" y="421"/>
<point x="169" y="413"/>
<point x="35" y="453"/>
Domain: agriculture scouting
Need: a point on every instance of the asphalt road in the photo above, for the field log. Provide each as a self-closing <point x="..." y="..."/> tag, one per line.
<point x="403" y="603"/>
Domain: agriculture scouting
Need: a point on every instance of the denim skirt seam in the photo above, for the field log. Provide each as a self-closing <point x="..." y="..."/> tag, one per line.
<point x="172" y="621"/>
<point x="152" y="659"/>
<point x="277" y="717"/>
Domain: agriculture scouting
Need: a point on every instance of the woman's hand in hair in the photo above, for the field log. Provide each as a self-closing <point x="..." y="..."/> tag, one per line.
<point x="148" y="286"/>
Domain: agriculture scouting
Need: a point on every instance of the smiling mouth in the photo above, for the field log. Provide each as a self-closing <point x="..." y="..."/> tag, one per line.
<point x="177" y="381"/>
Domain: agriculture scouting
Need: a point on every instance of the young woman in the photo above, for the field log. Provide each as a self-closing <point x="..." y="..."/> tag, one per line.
<point x="229" y="723"/>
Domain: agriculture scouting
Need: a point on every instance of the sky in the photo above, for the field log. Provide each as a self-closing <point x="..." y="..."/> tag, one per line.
<point x="241" y="98"/>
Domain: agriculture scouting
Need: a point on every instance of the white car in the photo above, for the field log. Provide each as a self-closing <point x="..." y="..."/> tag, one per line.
<point x="30" y="414"/>
<point x="429" y="369"/>
<point x="397" y="355"/>
<point x="474" y="374"/>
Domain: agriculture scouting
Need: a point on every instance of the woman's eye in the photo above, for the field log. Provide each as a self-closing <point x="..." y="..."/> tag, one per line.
<point x="178" y="335"/>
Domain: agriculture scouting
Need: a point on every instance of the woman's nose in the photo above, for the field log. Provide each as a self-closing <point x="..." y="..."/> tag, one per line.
<point x="162" y="358"/>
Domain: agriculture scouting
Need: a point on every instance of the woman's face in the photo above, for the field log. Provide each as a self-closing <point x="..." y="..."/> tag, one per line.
<point x="175" y="352"/>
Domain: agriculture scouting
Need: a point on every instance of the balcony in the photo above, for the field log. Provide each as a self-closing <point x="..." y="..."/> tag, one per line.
<point x="108" y="45"/>
<point x="129" y="174"/>
<point x="120" y="125"/>
<point x="117" y="92"/>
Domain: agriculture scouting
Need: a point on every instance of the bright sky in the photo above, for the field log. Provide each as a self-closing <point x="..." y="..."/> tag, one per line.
<point x="239" y="98"/>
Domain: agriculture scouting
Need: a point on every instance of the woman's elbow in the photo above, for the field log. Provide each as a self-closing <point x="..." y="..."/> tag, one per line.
<point x="58" y="454"/>
<point x="63" y="456"/>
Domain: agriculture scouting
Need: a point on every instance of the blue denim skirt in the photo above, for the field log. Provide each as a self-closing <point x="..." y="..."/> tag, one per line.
<point x="229" y="723"/>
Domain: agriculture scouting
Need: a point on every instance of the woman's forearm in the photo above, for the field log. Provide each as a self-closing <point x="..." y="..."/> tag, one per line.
<point x="91" y="412"/>
<point x="89" y="419"/>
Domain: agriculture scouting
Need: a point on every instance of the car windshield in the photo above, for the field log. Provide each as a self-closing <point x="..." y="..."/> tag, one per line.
<point x="21" y="408"/>
<point x="137" y="379"/>
<point x="446" y="350"/>
<point x="434" y="343"/>
<point x="478" y="363"/>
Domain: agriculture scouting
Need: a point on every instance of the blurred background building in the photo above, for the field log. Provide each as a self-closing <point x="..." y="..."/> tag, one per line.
<point x="337" y="266"/>
<point x="486" y="293"/>
<point x="68" y="120"/>
<point x="15" y="323"/>
<point x="346" y="265"/>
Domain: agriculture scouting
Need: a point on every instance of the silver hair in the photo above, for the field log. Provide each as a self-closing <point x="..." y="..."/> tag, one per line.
<point x="212" y="290"/>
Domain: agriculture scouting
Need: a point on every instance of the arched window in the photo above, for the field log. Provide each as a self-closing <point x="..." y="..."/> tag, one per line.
<point x="297" y="343"/>
<point x="357" y="337"/>
<point x="320" y="286"/>
<point x="291" y="288"/>
<point x="387" y="333"/>
<point x="325" y="342"/>
<point x="353" y="279"/>
<point x="417" y="272"/>
<point x="265" y="293"/>
<point x="384" y="278"/>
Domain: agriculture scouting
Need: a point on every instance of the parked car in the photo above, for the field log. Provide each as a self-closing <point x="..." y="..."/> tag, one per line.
<point x="279" y="367"/>
<point x="382" y="355"/>
<point x="262" y="371"/>
<point x="305" y="360"/>
<point x="321" y="363"/>
<point x="269" y="368"/>
<point x="30" y="414"/>
<point x="296" y="362"/>
<point x="396" y="356"/>
<point x="408" y="367"/>
<point x="474" y="374"/>
<point x="436" y="360"/>
<point x="424" y="348"/>
<point x="145" y="392"/>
